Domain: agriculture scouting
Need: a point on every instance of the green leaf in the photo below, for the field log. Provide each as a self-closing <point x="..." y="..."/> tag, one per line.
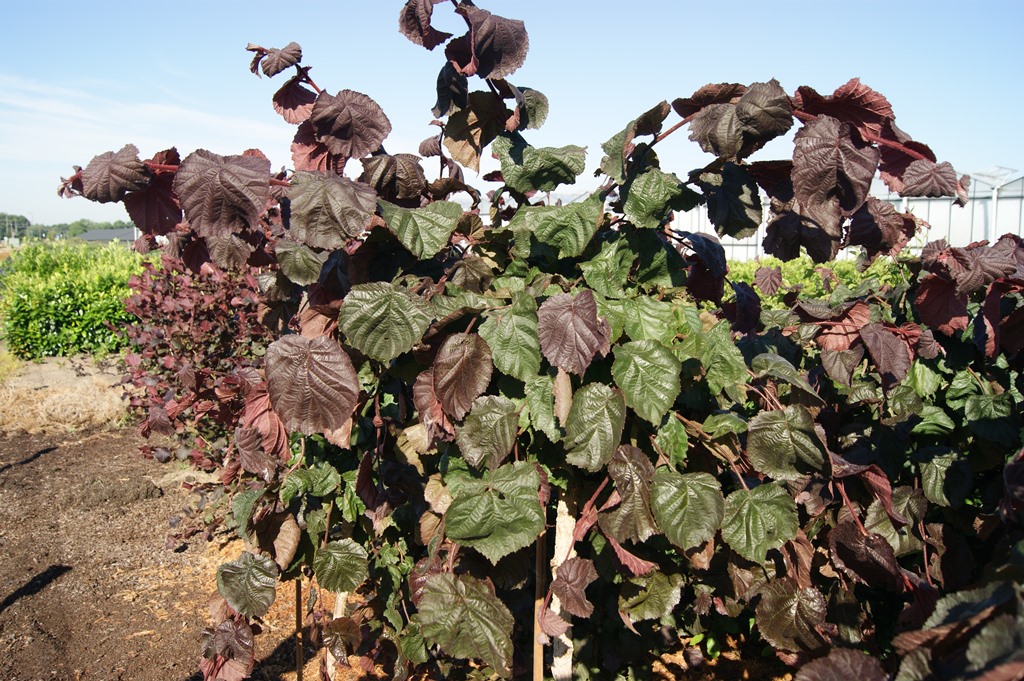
<point x="526" y="169"/>
<point x="648" y="318"/>
<point x="497" y="513"/>
<point x="382" y="321"/>
<point x="991" y="417"/>
<point x="319" y="480"/>
<point x="648" y="374"/>
<point x="946" y="479"/>
<point x="783" y="444"/>
<point x="759" y="520"/>
<point x="568" y="228"/>
<point x="652" y="194"/>
<point x="466" y="619"/>
<point x="489" y="431"/>
<point x="673" y="441"/>
<point x="242" y="507"/>
<point x="608" y="271"/>
<point x="249" y="584"/>
<point x="594" y="426"/>
<point x="689" y="507"/>
<point x="536" y="107"/>
<point x="473" y="127"/>
<point x="776" y="366"/>
<point x="512" y="335"/>
<point x="723" y="423"/>
<point x="632" y="519"/>
<point x="723" y="363"/>
<point x="924" y="380"/>
<point x="734" y="201"/>
<point x="650" y="597"/>
<point x="540" y="401"/>
<point x="300" y="263"/>
<point x="909" y="503"/>
<point x="612" y="165"/>
<point x="934" y="421"/>
<point x="424" y="231"/>
<point x="328" y="210"/>
<point x="341" y="565"/>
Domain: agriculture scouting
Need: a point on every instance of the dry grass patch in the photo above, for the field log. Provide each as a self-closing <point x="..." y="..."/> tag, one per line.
<point x="58" y="395"/>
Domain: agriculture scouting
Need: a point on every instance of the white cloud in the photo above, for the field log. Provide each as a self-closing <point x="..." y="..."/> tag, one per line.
<point x="46" y="130"/>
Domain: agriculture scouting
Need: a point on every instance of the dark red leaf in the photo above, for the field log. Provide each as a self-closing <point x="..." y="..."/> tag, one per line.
<point x="744" y="313"/>
<point x="275" y="61"/>
<point x="570" y="585"/>
<point x="637" y="566"/>
<point x="430" y="411"/>
<point x="497" y="46"/>
<point x="312" y="155"/>
<point x="924" y="178"/>
<point x="349" y="124"/>
<point x="841" y="332"/>
<point x="249" y="443"/>
<point x="718" y="93"/>
<point x="294" y="101"/>
<point x="768" y="279"/>
<point x="414" y="23"/>
<point x="109" y="176"/>
<point x="880" y="229"/>
<point x="312" y="383"/>
<point x="221" y="195"/>
<point x="840" y="365"/>
<point x="868" y="559"/>
<point x="396" y="178"/>
<point x="462" y="370"/>
<point x="228" y="250"/>
<point x="843" y="664"/>
<point x="853" y="103"/>
<point x="570" y="332"/>
<point x="940" y="306"/>
<point x="551" y="623"/>
<point x="890" y="353"/>
<point x="830" y="164"/>
<point x="895" y="160"/>
<point x="155" y="209"/>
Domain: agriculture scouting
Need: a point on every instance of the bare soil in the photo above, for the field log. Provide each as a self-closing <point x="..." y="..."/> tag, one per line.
<point x="88" y="588"/>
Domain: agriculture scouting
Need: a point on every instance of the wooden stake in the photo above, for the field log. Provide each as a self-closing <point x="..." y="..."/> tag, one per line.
<point x="540" y="590"/>
<point x="299" y="657"/>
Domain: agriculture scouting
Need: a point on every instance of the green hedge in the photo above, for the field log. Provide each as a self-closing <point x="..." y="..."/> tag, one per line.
<point x="811" y="277"/>
<point x="59" y="299"/>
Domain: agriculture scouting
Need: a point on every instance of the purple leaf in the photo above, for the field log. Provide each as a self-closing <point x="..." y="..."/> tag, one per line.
<point x="718" y="130"/>
<point x="843" y="664"/>
<point x="868" y="559"/>
<point x="414" y="23"/>
<point x="880" y="229"/>
<point x="768" y="279"/>
<point x="462" y="370"/>
<point x="294" y="101"/>
<point x="574" y="575"/>
<point x="349" y="124"/>
<point x="854" y="103"/>
<point x="570" y="332"/>
<point x="312" y="155"/>
<point x="221" y="195"/>
<point x="249" y="443"/>
<point x="155" y="209"/>
<point x="924" y="178"/>
<point x="312" y="383"/>
<point x="275" y="61"/>
<point x="396" y="178"/>
<point x="829" y="164"/>
<point x="109" y="176"/>
<point x="494" y="47"/>
<point x="890" y="354"/>
<point x="940" y="306"/>
<point x="790" y="617"/>
<point x="717" y="93"/>
<point x="229" y="251"/>
<point x="429" y="407"/>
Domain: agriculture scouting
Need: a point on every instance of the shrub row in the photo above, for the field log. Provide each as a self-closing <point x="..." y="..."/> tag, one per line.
<point x="58" y="299"/>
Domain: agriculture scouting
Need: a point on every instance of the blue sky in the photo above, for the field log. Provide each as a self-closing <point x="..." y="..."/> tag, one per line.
<point x="83" y="78"/>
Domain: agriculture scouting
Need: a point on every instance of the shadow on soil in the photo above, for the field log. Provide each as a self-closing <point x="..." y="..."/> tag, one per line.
<point x="36" y="584"/>
<point x="26" y="460"/>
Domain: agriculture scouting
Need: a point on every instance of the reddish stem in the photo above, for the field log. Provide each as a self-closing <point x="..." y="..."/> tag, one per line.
<point x="849" y="505"/>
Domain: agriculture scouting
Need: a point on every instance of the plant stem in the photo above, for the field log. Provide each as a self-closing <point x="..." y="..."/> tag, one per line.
<point x="540" y="587"/>
<point x="299" y="661"/>
<point x="849" y="505"/>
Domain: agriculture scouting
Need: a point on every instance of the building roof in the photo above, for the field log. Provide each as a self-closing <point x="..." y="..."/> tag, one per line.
<point x="106" y="235"/>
